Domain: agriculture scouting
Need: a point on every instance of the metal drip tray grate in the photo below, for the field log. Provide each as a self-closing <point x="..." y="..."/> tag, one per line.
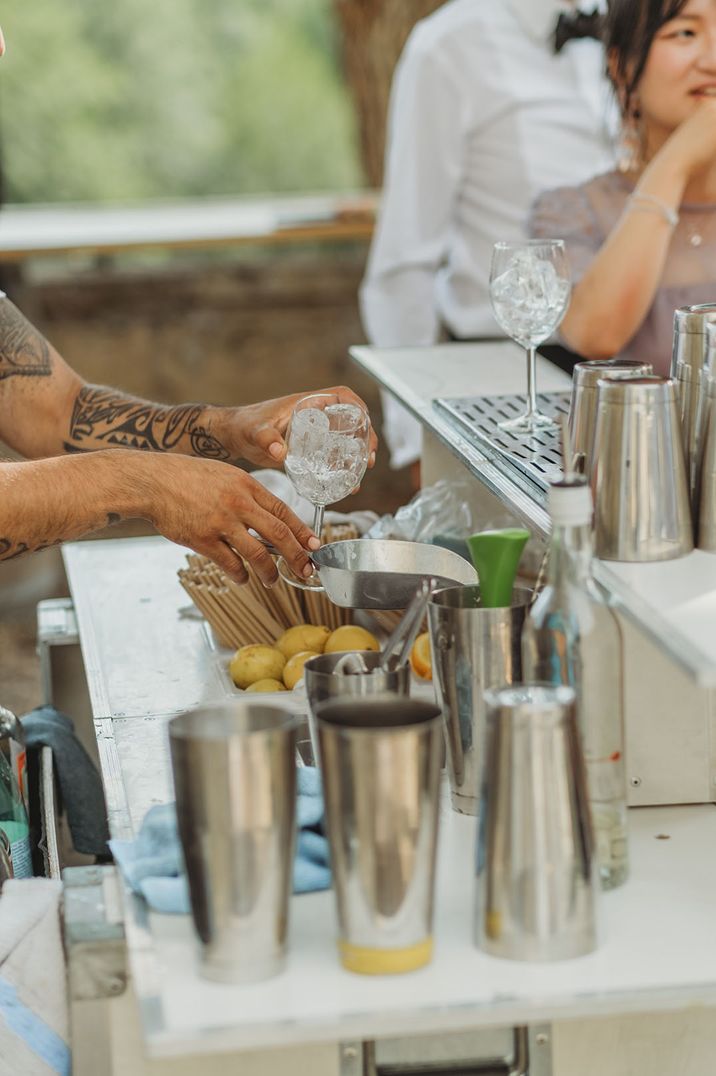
<point x="533" y="461"/>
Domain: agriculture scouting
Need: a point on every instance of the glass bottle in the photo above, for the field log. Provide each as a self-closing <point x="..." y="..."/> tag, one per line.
<point x="572" y="637"/>
<point x="13" y="821"/>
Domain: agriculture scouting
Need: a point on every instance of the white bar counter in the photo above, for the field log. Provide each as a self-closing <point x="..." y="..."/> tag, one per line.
<point x="146" y="661"/>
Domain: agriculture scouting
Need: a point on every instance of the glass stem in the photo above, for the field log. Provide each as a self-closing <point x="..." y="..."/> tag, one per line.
<point x="318" y="510"/>
<point x="531" y="382"/>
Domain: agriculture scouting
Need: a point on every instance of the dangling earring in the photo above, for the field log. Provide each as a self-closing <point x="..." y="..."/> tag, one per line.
<point x="630" y="157"/>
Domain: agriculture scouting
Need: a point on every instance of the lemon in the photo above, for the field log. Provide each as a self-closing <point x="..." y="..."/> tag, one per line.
<point x="302" y="637"/>
<point x="267" y="684"/>
<point x="421" y="658"/>
<point x="293" y="672"/>
<point x="350" y="637"/>
<point x="256" y="662"/>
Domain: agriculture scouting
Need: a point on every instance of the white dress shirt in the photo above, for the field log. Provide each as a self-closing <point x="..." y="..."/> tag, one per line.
<point x="483" y="117"/>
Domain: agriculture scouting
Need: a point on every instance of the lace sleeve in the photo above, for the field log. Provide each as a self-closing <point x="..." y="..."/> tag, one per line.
<point x="566" y="213"/>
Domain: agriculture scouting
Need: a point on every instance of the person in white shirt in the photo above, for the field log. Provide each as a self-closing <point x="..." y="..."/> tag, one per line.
<point x="484" y="116"/>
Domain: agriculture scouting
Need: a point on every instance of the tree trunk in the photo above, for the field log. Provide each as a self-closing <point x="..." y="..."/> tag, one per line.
<point x="374" y="32"/>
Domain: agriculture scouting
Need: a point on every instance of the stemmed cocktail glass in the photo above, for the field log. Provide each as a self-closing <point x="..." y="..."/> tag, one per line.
<point x="529" y="290"/>
<point x="328" y="445"/>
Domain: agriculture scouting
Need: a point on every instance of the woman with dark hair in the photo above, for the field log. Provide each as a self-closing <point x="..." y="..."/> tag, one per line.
<point x="642" y="239"/>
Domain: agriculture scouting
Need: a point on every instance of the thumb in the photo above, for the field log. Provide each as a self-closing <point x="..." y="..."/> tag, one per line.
<point x="270" y="443"/>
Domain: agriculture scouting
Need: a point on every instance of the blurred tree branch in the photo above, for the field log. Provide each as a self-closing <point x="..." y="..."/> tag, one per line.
<point x="374" y="32"/>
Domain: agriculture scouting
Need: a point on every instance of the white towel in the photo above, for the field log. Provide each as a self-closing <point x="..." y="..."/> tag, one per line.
<point x="33" y="986"/>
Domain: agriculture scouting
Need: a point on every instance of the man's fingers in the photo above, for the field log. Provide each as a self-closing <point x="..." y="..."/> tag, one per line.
<point x="284" y="517"/>
<point x="284" y="540"/>
<point x="256" y="555"/>
<point x="229" y="562"/>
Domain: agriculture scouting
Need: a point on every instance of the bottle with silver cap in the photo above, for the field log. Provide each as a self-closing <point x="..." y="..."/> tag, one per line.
<point x="573" y="637"/>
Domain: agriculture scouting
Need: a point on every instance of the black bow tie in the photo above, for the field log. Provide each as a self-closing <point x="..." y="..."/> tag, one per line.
<point x="576" y="24"/>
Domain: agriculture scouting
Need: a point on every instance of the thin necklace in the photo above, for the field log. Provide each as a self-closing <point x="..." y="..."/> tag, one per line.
<point x="695" y="234"/>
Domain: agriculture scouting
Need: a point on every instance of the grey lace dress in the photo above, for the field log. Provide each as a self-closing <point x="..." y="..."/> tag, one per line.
<point x="584" y="216"/>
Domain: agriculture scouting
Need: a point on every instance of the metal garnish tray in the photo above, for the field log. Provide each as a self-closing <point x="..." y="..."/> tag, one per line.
<point x="532" y="462"/>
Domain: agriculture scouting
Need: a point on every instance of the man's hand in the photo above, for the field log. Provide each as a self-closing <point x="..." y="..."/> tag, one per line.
<point x="257" y="432"/>
<point x="209" y="507"/>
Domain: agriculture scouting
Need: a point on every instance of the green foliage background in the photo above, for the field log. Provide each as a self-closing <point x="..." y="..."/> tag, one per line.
<point x="135" y="99"/>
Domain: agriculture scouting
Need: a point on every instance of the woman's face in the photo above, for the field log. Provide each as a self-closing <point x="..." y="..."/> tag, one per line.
<point x="680" y="70"/>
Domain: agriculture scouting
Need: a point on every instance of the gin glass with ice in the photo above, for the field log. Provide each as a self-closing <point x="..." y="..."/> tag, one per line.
<point x="328" y="445"/>
<point x="529" y="291"/>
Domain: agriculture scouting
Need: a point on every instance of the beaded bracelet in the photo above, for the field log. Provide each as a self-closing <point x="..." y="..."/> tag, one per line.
<point x="654" y="204"/>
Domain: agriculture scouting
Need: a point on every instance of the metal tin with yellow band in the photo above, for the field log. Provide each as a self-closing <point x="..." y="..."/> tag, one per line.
<point x="380" y="762"/>
<point x="366" y="961"/>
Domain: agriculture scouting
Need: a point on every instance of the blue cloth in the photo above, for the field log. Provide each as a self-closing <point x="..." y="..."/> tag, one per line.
<point x="34" y="1032"/>
<point x="152" y="864"/>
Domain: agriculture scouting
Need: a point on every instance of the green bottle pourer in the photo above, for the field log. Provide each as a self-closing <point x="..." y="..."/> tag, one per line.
<point x="496" y="555"/>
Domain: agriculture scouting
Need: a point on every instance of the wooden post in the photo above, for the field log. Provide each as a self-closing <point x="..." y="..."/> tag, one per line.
<point x="374" y="33"/>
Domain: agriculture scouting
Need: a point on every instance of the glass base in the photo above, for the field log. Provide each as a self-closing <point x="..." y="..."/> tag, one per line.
<point x="310" y="582"/>
<point x="529" y="423"/>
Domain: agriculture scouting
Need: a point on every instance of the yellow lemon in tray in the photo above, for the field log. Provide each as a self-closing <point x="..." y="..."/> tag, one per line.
<point x="256" y="662"/>
<point x="267" y="684"/>
<point x="293" y="671"/>
<point x="303" y="637"/>
<point x="420" y="657"/>
<point x="350" y="637"/>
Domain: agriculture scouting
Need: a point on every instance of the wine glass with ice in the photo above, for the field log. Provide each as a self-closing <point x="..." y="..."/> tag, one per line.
<point x="529" y="290"/>
<point x="328" y="444"/>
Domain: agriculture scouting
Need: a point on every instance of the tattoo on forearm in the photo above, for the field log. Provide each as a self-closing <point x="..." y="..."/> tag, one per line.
<point x="24" y="352"/>
<point x="10" y="549"/>
<point x="114" y="420"/>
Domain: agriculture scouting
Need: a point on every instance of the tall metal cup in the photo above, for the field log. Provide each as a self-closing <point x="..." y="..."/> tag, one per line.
<point x="323" y="683"/>
<point x="473" y="649"/>
<point x="537" y="878"/>
<point x="706" y="474"/>
<point x="641" y="498"/>
<point x="688" y="359"/>
<point x="583" y="402"/>
<point x="235" y="782"/>
<point x="380" y="763"/>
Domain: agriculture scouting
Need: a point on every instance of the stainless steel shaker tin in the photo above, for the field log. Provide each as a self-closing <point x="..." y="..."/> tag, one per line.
<point x="706" y="464"/>
<point x="234" y="768"/>
<point x="323" y="684"/>
<point x="380" y="763"/>
<point x="473" y="648"/>
<point x="641" y="501"/>
<point x="537" y="886"/>
<point x="688" y="360"/>
<point x="583" y="402"/>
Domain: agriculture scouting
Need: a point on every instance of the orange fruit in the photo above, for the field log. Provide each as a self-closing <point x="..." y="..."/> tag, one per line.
<point x="420" y="658"/>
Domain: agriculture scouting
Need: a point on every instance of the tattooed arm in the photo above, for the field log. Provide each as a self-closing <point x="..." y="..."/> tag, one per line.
<point x="46" y="409"/>
<point x="204" y="504"/>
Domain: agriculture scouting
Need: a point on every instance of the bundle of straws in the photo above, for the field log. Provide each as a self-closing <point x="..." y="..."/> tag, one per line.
<point x="252" y="613"/>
